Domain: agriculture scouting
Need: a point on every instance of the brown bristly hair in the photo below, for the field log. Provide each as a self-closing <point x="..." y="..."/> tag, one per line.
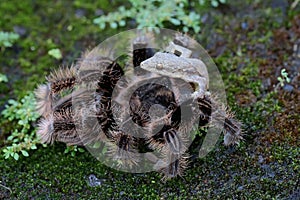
<point x="122" y="149"/>
<point x="44" y="99"/>
<point x="176" y="167"/>
<point x="65" y="127"/>
<point x="62" y="79"/>
<point x="45" y="129"/>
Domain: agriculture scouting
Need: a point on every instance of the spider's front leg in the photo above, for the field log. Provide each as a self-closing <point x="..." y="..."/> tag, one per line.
<point x="59" y="126"/>
<point x="141" y="50"/>
<point x="173" y="141"/>
<point x="168" y="164"/>
<point x="122" y="149"/>
<point x="48" y="94"/>
<point x="54" y="104"/>
<point x="215" y="114"/>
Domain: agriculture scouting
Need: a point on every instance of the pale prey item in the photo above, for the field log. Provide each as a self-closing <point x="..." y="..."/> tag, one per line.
<point x="191" y="70"/>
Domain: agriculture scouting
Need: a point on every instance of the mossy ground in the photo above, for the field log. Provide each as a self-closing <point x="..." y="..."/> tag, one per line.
<point x="250" y="44"/>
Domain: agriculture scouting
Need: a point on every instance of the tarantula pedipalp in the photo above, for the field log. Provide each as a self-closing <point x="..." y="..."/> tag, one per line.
<point x="148" y="112"/>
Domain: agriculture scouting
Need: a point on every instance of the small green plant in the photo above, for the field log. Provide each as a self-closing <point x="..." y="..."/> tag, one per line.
<point x="73" y="149"/>
<point x="23" y="138"/>
<point x="7" y="39"/>
<point x="21" y="115"/>
<point x="283" y="78"/>
<point x="154" y="13"/>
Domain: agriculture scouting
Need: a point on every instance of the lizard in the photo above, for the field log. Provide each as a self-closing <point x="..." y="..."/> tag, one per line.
<point x="179" y="64"/>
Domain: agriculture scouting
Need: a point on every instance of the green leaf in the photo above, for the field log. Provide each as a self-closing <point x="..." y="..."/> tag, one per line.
<point x="16" y="156"/>
<point x="196" y="29"/>
<point x="113" y="25"/>
<point x="201" y="2"/>
<point x="175" y="21"/>
<point x="102" y="25"/>
<point x="67" y="150"/>
<point x="56" y="53"/>
<point x="16" y="140"/>
<point x="97" y="20"/>
<point x="214" y="3"/>
<point x="25" y="153"/>
<point x="8" y="38"/>
<point x="122" y="23"/>
<point x="6" y="156"/>
<point x="11" y="137"/>
<point x="185" y="29"/>
<point x="3" y="78"/>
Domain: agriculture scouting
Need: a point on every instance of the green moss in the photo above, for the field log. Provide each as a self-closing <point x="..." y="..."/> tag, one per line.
<point x="46" y="29"/>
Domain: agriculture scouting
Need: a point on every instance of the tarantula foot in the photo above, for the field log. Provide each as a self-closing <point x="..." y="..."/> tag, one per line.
<point x="232" y="139"/>
<point x="197" y="95"/>
<point x="173" y="141"/>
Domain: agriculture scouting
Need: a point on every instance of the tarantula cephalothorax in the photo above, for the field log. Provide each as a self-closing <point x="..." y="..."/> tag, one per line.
<point x="92" y="101"/>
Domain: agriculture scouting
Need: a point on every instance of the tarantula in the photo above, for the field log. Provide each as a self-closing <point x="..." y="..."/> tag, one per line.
<point x="145" y="112"/>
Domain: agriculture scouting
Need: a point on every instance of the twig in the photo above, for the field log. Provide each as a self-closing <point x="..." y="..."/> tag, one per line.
<point x="6" y="188"/>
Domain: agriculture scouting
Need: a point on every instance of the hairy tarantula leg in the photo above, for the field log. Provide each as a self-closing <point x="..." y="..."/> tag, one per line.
<point x="141" y="50"/>
<point x="122" y="149"/>
<point x="44" y="99"/>
<point x="232" y="128"/>
<point x="215" y="114"/>
<point x="163" y="120"/>
<point x="233" y="131"/>
<point x="169" y="164"/>
<point x="65" y="127"/>
<point x="205" y="106"/>
<point x="45" y="130"/>
<point x="173" y="141"/>
<point x="173" y="166"/>
<point x="61" y="79"/>
<point x="59" y="127"/>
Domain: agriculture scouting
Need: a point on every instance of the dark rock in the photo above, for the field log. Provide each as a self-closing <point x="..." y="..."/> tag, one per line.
<point x="20" y="30"/>
<point x="99" y="12"/>
<point x="288" y="88"/>
<point x="79" y="13"/>
<point x="282" y="4"/>
<point x="132" y="23"/>
<point x="204" y="18"/>
<point x="266" y="83"/>
<point x="260" y="159"/>
<point x="93" y="181"/>
<point x="244" y="25"/>
<point x="295" y="195"/>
